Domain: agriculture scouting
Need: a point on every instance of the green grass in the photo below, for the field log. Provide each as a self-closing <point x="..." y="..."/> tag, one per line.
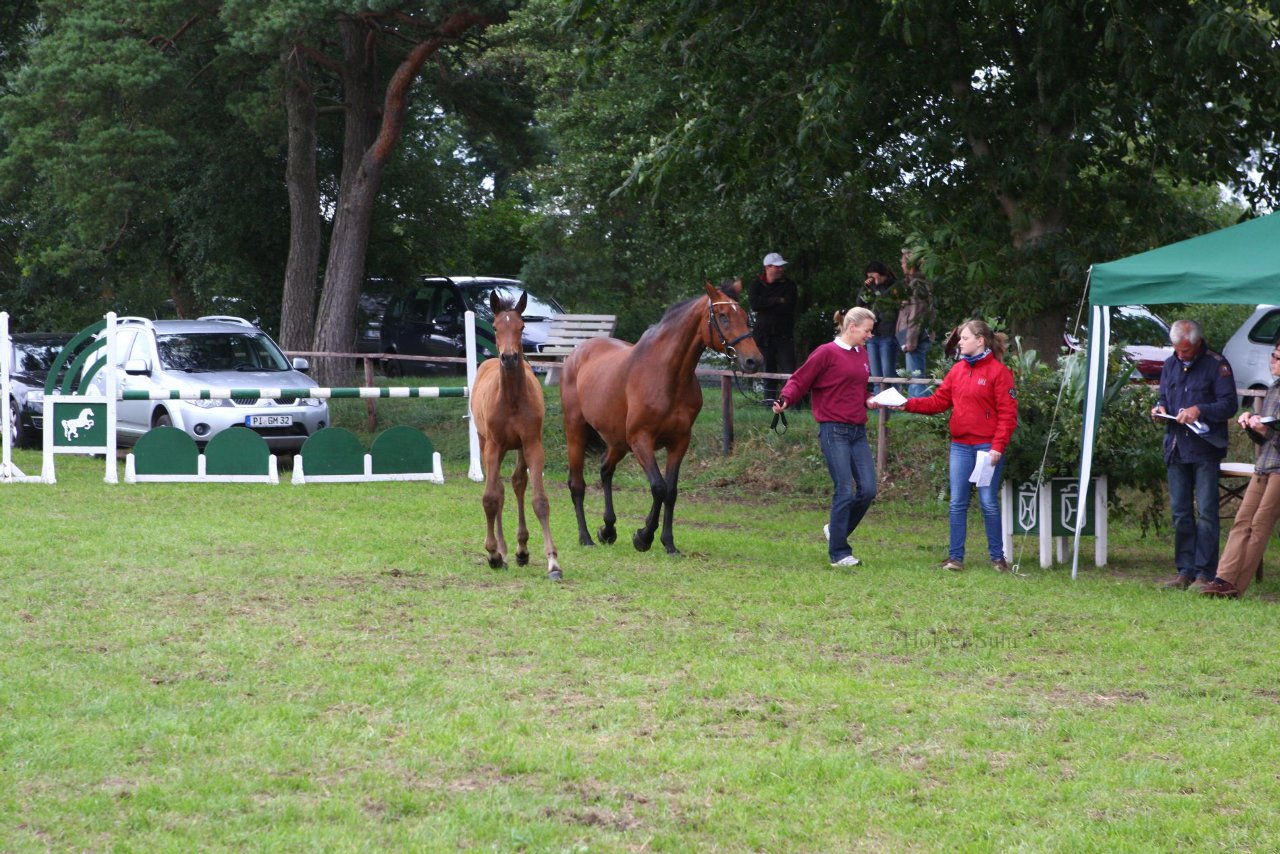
<point x="334" y="667"/>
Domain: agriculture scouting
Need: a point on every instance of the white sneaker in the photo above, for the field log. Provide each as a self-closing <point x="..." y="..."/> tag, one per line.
<point x="847" y="560"/>
<point x="826" y="533"/>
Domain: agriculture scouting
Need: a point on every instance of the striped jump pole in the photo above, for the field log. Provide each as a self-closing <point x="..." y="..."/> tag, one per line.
<point x="277" y="393"/>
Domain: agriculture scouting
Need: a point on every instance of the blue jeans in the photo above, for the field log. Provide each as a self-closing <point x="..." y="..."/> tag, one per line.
<point x="853" y="471"/>
<point x="963" y="458"/>
<point x="882" y="350"/>
<point x="1195" y="537"/>
<point x="918" y="366"/>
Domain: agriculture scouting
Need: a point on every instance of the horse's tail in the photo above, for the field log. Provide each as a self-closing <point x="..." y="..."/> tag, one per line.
<point x="594" y="443"/>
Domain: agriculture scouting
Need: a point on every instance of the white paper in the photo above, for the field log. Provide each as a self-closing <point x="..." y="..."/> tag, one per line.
<point x="890" y="397"/>
<point x="982" y="469"/>
<point x="1196" y="426"/>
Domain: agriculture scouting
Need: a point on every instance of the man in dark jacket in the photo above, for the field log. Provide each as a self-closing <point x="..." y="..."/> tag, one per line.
<point x="773" y="300"/>
<point x="1197" y="397"/>
<point x="881" y="294"/>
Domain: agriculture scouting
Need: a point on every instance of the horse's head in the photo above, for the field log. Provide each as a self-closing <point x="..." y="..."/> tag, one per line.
<point x="508" y="328"/>
<point x="729" y="332"/>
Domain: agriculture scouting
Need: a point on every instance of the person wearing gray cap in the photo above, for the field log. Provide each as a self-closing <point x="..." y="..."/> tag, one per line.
<point x="773" y="300"/>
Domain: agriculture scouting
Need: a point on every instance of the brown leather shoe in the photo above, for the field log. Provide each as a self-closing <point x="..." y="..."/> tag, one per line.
<point x="1220" y="589"/>
<point x="952" y="564"/>
<point x="1000" y="565"/>
<point x="1178" y="582"/>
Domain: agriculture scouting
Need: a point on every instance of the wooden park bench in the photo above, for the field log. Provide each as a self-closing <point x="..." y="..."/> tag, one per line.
<point x="567" y="331"/>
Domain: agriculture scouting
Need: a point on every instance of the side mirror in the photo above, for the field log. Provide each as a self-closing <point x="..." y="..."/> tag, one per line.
<point x="137" y="367"/>
<point x="302" y="365"/>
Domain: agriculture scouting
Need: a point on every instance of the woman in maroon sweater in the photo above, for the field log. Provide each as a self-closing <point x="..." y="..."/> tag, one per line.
<point x="836" y="374"/>
<point x="979" y="391"/>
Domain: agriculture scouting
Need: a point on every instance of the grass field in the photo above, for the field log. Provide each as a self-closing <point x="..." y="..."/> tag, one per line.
<point x="334" y="667"/>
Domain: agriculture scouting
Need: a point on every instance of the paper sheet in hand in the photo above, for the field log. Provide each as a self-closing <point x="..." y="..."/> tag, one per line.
<point x="1197" y="427"/>
<point x="982" y="469"/>
<point x="890" y="397"/>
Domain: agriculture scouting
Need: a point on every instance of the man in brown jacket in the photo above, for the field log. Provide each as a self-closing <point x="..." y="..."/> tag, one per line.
<point x="914" y="317"/>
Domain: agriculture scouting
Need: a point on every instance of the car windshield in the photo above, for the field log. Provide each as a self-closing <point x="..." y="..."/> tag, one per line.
<point x="1138" y="329"/>
<point x="220" y="351"/>
<point x="535" y="309"/>
<point x="36" y="357"/>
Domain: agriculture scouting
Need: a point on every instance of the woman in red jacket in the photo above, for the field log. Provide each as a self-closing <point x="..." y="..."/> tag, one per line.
<point x="980" y="393"/>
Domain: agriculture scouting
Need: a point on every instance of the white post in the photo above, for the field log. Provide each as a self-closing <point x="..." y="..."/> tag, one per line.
<point x="1007" y="501"/>
<point x="112" y="474"/>
<point x="7" y="471"/>
<point x="1045" y="512"/>
<point x="1100" y="522"/>
<point x="474" y="472"/>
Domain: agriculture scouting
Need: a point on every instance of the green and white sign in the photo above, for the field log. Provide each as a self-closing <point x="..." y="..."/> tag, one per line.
<point x="1064" y="508"/>
<point x="78" y="424"/>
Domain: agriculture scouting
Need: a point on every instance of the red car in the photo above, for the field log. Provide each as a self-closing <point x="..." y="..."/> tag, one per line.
<point x="1144" y="336"/>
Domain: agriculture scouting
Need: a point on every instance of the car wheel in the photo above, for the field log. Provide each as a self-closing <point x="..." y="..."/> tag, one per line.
<point x="393" y="368"/>
<point x="161" y="419"/>
<point x="18" y="435"/>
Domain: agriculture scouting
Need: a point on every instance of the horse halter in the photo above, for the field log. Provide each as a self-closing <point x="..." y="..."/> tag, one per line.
<point x="724" y="339"/>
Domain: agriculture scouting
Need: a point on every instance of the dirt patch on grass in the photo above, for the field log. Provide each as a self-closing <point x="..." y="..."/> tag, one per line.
<point x="1105" y="700"/>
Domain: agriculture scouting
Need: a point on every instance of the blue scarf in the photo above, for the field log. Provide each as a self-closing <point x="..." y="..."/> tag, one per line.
<point x="973" y="360"/>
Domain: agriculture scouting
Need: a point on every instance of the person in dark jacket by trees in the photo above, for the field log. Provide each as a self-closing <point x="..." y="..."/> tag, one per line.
<point x="1197" y="397"/>
<point x="881" y="294"/>
<point x="773" y="300"/>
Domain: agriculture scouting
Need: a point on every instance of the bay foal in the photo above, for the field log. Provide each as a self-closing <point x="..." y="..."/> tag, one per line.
<point x="508" y="408"/>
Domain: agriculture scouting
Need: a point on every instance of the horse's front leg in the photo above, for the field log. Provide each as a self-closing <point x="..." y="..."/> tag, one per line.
<point x="642" y="539"/>
<point x="542" y="509"/>
<point x="675" y="456"/>
<point x="608" y="534"/>
<point x="494" y="543"/>
<point x="520" y="480"/>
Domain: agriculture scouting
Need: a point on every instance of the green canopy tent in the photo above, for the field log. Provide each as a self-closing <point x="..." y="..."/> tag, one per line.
<point x="1240" y="264"/>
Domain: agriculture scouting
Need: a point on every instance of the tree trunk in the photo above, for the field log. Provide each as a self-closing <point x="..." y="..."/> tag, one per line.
<point x="357" y="191"/>
<point x="298" y="306"/>
<point x="364" y="158"/>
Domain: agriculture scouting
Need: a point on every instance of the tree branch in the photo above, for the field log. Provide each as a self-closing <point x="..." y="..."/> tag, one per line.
<point x="166" y="44"/>
<point x="397" y="89"/>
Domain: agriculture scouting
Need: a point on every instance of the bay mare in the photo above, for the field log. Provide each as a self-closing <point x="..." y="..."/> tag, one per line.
<point x="643" y="398"/>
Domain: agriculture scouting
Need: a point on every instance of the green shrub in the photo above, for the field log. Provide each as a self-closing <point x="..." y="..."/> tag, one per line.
<point x="1127" y="448"/>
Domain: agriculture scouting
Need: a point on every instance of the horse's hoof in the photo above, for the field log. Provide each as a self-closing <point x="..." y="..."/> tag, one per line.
<point x="585" y="540"/>
<point x="607" y="536"/>
<point x="641" y="542"/>
<point x="674" y="552"/>
<point x="522" y="559"/>
<point x="555" y="574"/>
<point x="496" y="562"/>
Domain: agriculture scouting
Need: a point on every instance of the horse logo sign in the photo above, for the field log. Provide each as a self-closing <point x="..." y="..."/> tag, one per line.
<point x="80" y="424"/>
<point x="84" y="421"/>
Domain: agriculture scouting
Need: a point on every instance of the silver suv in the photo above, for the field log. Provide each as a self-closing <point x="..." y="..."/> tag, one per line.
<point x="1249" y="350"/>
<point x="212" y="352"/>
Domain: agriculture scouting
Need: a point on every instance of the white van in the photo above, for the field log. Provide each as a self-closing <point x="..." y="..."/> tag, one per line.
<point x="1249" y="350"/>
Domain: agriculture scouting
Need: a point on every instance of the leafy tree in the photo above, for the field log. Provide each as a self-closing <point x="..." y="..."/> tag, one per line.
<point x="129" y="174"/>
<point x="1016" y="142"/>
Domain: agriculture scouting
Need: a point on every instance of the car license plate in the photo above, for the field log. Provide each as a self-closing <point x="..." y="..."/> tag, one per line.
<point x="268" y="421"/>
